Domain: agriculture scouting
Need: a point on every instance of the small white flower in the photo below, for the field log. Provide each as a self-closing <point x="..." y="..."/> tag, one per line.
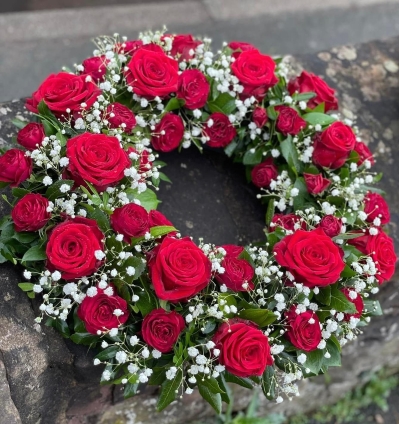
<point x="91" y="291"/>
<point x="56" y="276"/>
<point x="118" y="312"/>
<point x="130" y="270"/>
<point x="47" y="181"/>
<point x="37" y="288"/>
<point x="107" y="375"/>
<point x="132" y="368"/>
<point x="27" y="274"/>
<point x="121" y="356"/>
<point x="156" y="354"/>
<point x="113" y="332"/>
<point x="99" y="254"/>
<point x="170" y="374"/>
<point x="96" y="362"/>
<point x="134" y="340"/>
<point x="193" y="351"/>
<point x="145" y="353"/>
<point x="189" y="391"/>
<point x="301" y="358"/>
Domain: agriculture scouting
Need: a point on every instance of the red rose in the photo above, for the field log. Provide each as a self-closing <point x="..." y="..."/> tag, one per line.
<point x="97" y="312"/>
<point x="179" y="269"/>
<point x="129" y="47"/>
<point x="375" y="206"/>
<point x="145" y="164"/>
<point x="152" y="73"/>
<point x="120" y="116"/>
<point x="264" y="173"/>
<point x="356" y="300"/>
<point x="259" y="116"/>
<point x="161" y="329"/>
<point x="333" y="145"/>
<point x="183" y="46"/>
<point x="71" y="248"/>
<point x="255" y="71"/>
<point x="308" y="82"/>
<point x="31" y="136"/>
<point x="287" y="222"/>
<point x="331" y="225"/>
<point x="15" y="167"/>
<point x="364" y="153"/>
<point x="96" y="158"/>
<point x="130" y="220"/>
<point x="30" y="213"/>
<point x="157" y="219"/>
<point x="288" y="121"/>
<point x="96" y="67"/>
<point x="168" y="133"/>
<point x="193" y="88"/>
<point x="244" y="348"/>
<point x="236" y="271"/>
<point x="239" y="46"/>
<point x="311" y="257"/>
<point x="219" y="130"/>
<point x="316" y="184"/>
<point x="304" y="329"/>
<point x="64" y="91"/>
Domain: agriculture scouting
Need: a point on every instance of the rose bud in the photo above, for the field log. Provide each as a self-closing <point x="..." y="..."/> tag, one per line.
<point x="31" y="136"/>
<point x="287" y="222"/>
<point x="15" y="167"/>
<point x="364" y="153"/>
<point x="239" y="46"/>
<point x="375" y="206"/>
<point x="193" y="88"/>
<point x="168" y="133"/>
<point x="219" y="130"/>
<point x="316" y="183"/>
<point x="120" y="116"/>
<point x="356" y="299"/>
<point x="30" y="213"/>
<point x="96" y="67"/>
<point x="131" y="220"/>
<point x="259" y="116"/>
<point x="288" y="121"/>
<point x="162" y="329"/>
<point x="263" y="173"/>
<point x="331" y="225"/>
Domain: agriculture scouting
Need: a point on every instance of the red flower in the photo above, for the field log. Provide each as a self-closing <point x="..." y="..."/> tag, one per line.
<point x="97" y="312"/>
<point x="168" y="133"/>
<point x="244" y="348"/>
<point x="288" y="121"/>
<point x="264" y="173"/>
<point x="356" y="300"/>
<point x="331" y="225"/>
<point x="259" y="116"/>
<point x="332" y="147"/>
<point x="15" y="167"/>
<point x="375" y="206"/>
<point x="152" y="73"/>
<point x="255" y="71"/>
<point x="308" y="82"/>
<point x="131" y="220"/>
<point x="30" y="213"/>
<point x="157" y="219"/>
<point x="183" y="46"/>
<point x="96" y="67"/>
<point x="96" y="158"/>
<point x="129" y="47"/>
<point x="364" y="153"/>
<point x="219" y="130"/>
<point x="31" y="136"/>
<point x="240" y="46"/>
<point x="161" y="329"/>
<point x="311" y="257"/>
<point x="193" y="88"/>
<point x="287" y="222"/>
<point x="316" y="183"/>
<point x="304" y="329"/>
<point x="71" y="248"/>
<point x="64" y="91"/>
<point x="120" y="116"/>
<point x="179" y="269"/>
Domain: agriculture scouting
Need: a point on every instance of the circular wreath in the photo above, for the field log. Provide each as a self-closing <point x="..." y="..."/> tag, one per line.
<point x="114" y="274"/>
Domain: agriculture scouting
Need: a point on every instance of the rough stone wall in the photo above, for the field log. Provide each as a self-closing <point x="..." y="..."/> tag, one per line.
<point x="46" y="379"/>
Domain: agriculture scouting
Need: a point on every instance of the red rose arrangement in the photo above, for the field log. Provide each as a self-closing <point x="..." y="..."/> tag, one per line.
<point x="114" y="273"/>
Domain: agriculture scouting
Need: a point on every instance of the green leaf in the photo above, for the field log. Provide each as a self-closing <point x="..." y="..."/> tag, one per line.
<point x="262" y="317"/>
<point x="269" y="212"/>
<point x="303" y="96"/>
<point x="158" y="376"/>
<point x="252" y="157"/>
<point x="226" y="394"/>
<point x="224" y="103"/>
<point x="108" y="353"/>
<point x="269" y="383"/>
<point x="35" y="253"/>
<point x="84" y="338"/>
<point x="19" y="123"/>
<point x="299" y="200"/>
<point x="229" y="149"/>
<point x="168" y="390"/>
<point x="241" y="381"/>
<point x="348" y="272"/>
<point x="26" y="286"/>
<point x="316" y="118"/>
<point x="25" y="237"/>
<point x="50" y="122"/>
<point x="173" y="104"/>
<point x="101" y="217"/>
<point x="148" y="198"/>
<point x="214" y="399"/>
<point x="324" y="295"/>
<point x="60" y="325"/>
<point x="130" y="389"/>
<point x="271" y="113"/>
<point x="53" y="192"/>
<point x="314" y="360"/>
<point x="372" y="307"/>
<point x="340" y="303"/>
<point x="290" y="154"/>
<point x="147" y="300"/>
<point x="19" y="192"/>
<point x="161" y="230"/>
<point x="335" y="355"/>
<point x="211" y="383"/>
<point x="138" y="266"/>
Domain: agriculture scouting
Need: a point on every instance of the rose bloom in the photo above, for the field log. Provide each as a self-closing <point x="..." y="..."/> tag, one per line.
<point x="357" y="301"/>
<point x="236" y="271"/>
<point x="97" y="312"/>
<point x="183" y="46"/>
<point x="31" y="136"/>
<point x="178" y="269"/>
<point x="96" y="67"/>
<point x="333" y="146"/>
<point x="30" y="213"/>
<point x="287" y="222"/>
<point x="331" y="225"/>
<point x="308" y="82"/>
<point x="120" y="116"/>
<point x="288" y="121"/>
<point x="129" y="47"/>
<point x="152" y="73"/>
<point x="259" y="116"/>
<point x="311" y="257"/>
<point x="364" y="153"/>
<point x="193" y="88"/>
<point x="375" y="206"/>
<point x="131" y="220"/>
<point x="263" y="173"/>
<point x="64" y="91"/>
<point x="244" y="348"/>
<point x="316" y="183"/>
<point x="15" y="167"/>
<point x="96" y="158"/>
<point x="168" y="133"/>
<point x="240" y="46"/>
<point x="71" y="248"/>
<point x="161" y="329"/>
<point x="219" y="130"/>
<point x="255" y="71"/>
<point x="301" y="333"/>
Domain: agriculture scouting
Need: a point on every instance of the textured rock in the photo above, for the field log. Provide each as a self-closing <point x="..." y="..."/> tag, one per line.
<point x="46" y="379"/>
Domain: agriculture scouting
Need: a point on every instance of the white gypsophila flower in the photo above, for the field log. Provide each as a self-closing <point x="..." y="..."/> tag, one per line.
<point x="96" y="362"/>
<point x="156" y="354"/>
<point x="109" y="291"/>
<point x="104" y="344"/>
<point x="91" y="291"/>
<point x="37" y="288"/>
<point x="132" y="368"/>
<point x="171" y="373"/>
<point x="63" y="162"/>
<point x="134" y="340"/>
<point x="56" y="276"/>
<point x="301" y="358"/>
<point x="145" y="353"/>
<point x="189" y="391"/>
<point x="276" y="349"/>
<point x="113" y="332"/>
<point x="65" y="188"/>
<point x="106" y="375"/>
<point x="47" y="181"/>
<point x="130" y="270"/>
<point x="27" y="274"/>
<point x="121" y="356"/>
<point x="99" y="254"/>
<point x="193" y="351"/>
<point x="118" y="312"/>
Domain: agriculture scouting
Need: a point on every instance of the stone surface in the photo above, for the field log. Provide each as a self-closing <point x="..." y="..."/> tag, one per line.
<point x="48" y="380"/>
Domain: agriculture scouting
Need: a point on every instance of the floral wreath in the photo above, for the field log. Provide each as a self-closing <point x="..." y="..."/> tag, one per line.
<point x="114" y="274"/>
